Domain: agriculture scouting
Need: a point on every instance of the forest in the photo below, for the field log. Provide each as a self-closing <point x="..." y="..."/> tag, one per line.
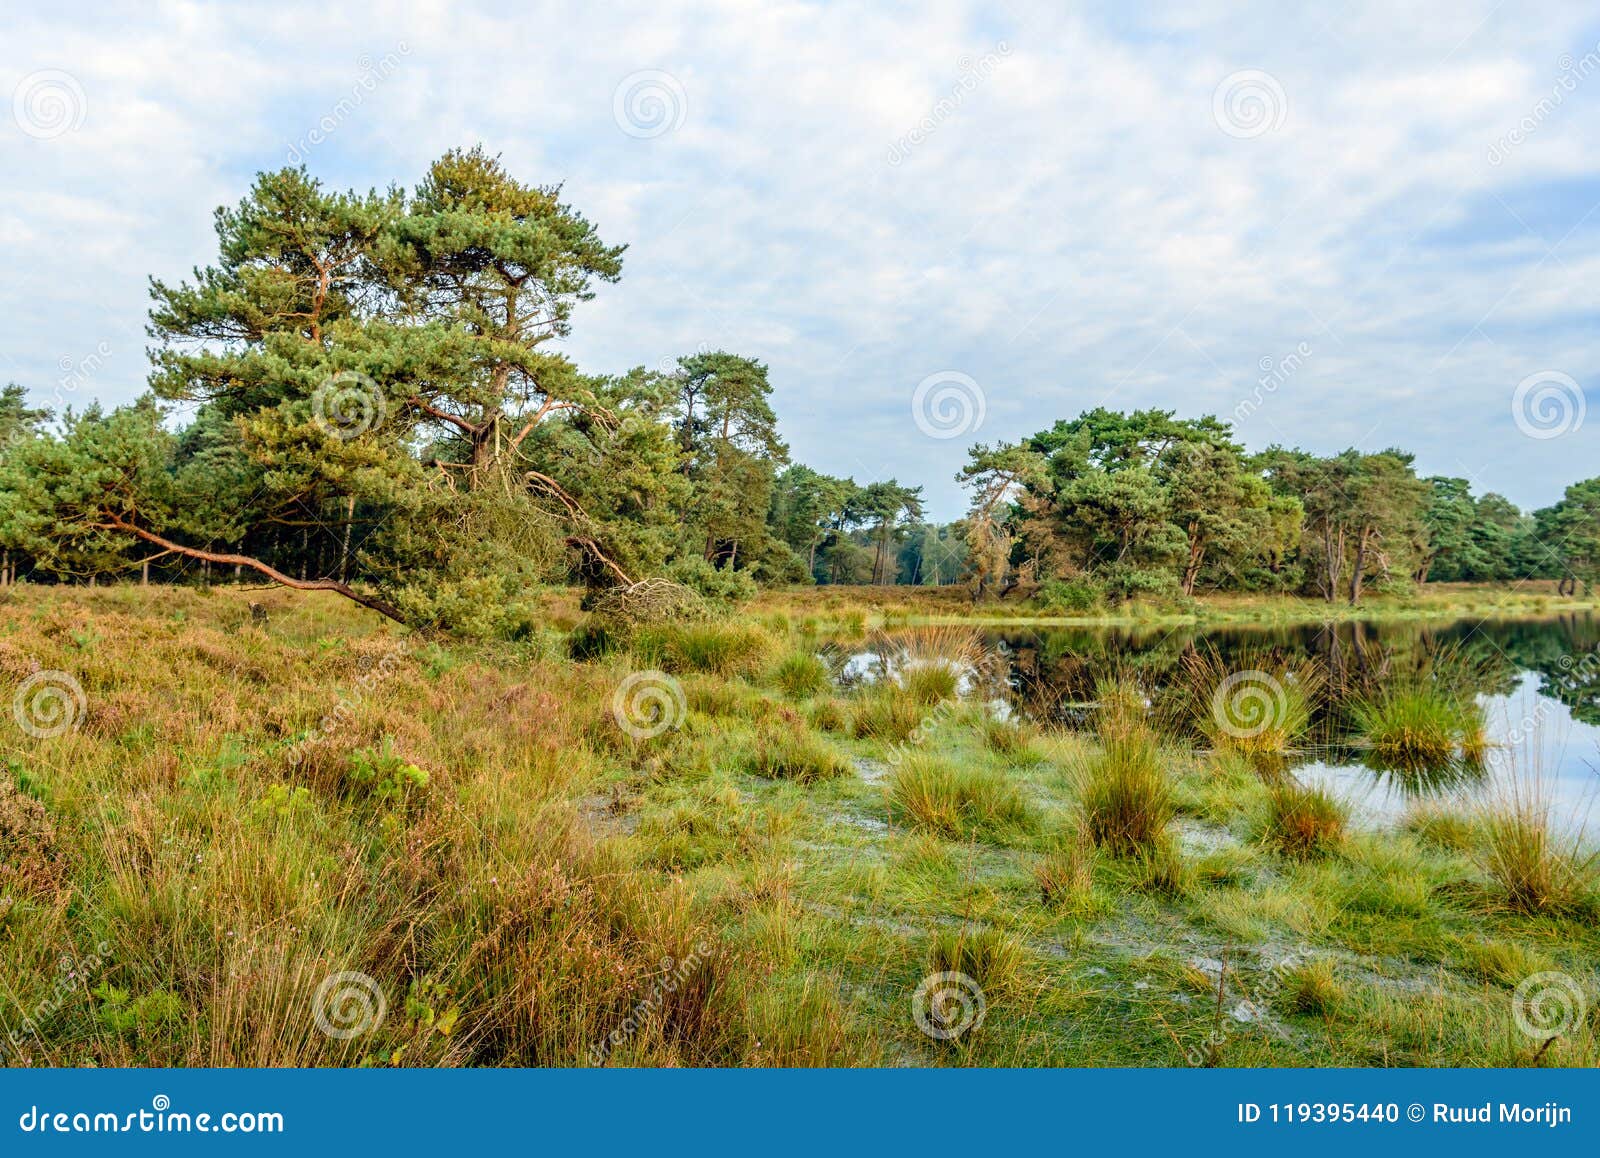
<point x="363" y="395"/>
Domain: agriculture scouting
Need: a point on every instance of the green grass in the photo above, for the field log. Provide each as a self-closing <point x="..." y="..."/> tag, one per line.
<point x="800" y="674"/>
<point x="887" y="713"/>
<point x="1419" y="724"/>
<point x="476" y="834"/>
<point x="724" y="649"/>
<point x="790" y="752"/>
<point x="930" y="792"/>
<point x="1127" y="796"/>
<point x="1250" y="703"/>
<point x="1303" y="820"/>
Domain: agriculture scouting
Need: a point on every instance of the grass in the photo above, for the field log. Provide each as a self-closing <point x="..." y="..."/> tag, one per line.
<point x="887" y="713"/>
<point x="1127" y="797"/>
<point x="1303" y="820"/>
<point x="1535" y="870"/>
<point x="790" y="752"/>
<point x="247" y="809"/>
<point x="1251" y="703"/>
<point x="995" y="960"/>
<point x="932" y="793"/>
<point x="1420" y="724"/>
<point x="724" y="649"/>
<point x="800" y="674"/>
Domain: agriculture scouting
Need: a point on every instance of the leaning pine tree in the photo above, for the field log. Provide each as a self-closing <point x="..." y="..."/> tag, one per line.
<point x="368" y="376"/>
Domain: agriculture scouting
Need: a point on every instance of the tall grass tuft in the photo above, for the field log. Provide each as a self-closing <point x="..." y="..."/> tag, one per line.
<point x="784" y="751"/>
<point x="1253" y="704"/>
<point x="1012" y="737"/>
<point x="929" y="792"/>
<point x="1303" y="820"/>
<point x="1534" y="869"/>
<point x="887" y="713"/>
<point x="995" y="960"/>
<point x="1122" y="710"/>
<point x="800" y="674"/>
<point x="1127" y="797"/>
<point x="725" y="649"/>
<point x="1425" y="719"/>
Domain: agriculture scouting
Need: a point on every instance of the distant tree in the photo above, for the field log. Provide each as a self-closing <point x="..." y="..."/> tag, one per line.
<point x="1568" y="534"/>
<point x="1217" y="504"/>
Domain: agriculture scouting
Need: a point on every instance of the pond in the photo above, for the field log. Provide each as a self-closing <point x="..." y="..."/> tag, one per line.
<point x="1536" y="684"/>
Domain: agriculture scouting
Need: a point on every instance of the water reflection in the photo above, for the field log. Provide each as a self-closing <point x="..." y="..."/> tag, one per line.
<point x="1535" y="682"/>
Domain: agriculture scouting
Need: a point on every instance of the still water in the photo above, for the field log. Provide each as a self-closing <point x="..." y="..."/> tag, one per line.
<point x="1536" y="681"/>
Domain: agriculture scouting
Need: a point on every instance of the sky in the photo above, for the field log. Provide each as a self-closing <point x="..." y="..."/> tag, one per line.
<point x="938" y="223"/>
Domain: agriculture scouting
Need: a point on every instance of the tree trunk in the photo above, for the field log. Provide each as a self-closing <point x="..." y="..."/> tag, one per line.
<point x="1359" y="569"/>
<point x="344" y="551"/>
<point x="1191" y="570"/>
<point x="144" y="573"/>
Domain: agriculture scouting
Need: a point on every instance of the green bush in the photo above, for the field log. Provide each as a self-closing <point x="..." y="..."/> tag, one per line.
<point x="715" y="585"/>
<point x="1070" y="595"/>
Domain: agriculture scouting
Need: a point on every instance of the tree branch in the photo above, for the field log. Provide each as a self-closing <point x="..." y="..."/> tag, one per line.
<point x="382" y="607"/>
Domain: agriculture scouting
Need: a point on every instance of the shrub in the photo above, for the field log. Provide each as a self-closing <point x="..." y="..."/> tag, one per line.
<point x="930" y="792"/>
<point x="715" y="585"/>
<point x="1070" y="595"/>
<point x="1303" y="820"/>
<point x="1126" y="795"/>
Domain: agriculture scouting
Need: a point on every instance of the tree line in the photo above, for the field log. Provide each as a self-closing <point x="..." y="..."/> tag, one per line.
<point x="360" y="395"/>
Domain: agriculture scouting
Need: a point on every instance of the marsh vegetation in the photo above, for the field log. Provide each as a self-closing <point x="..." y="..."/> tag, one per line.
<point x="760" y="858"/>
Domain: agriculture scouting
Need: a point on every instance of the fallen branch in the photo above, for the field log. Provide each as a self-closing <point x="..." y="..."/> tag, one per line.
<point x="382" y="607"/>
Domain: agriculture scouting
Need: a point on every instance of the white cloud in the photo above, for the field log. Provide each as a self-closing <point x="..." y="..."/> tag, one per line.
<point x="1073" y="228"/>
